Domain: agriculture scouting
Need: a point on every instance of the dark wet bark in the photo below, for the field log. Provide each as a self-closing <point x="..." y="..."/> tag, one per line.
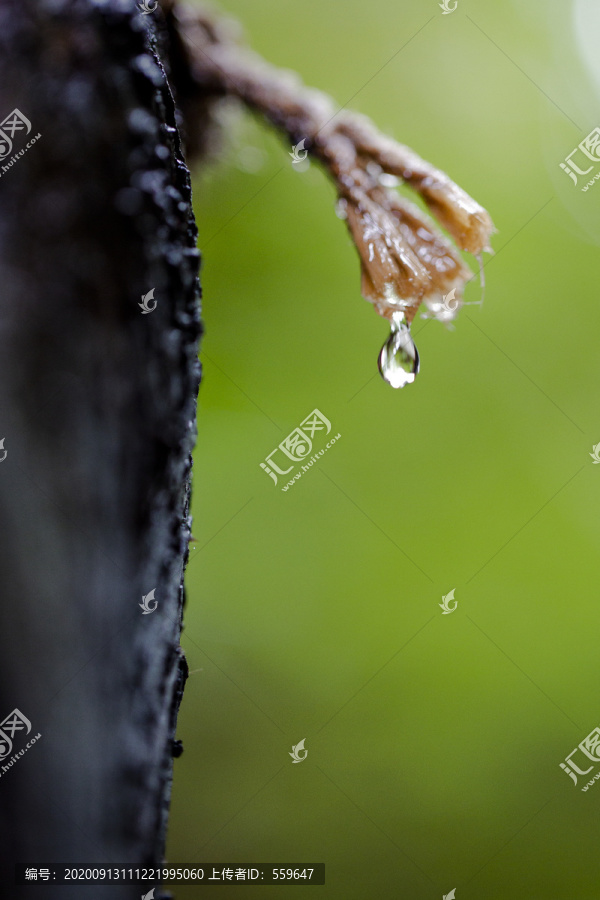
<point x="97" y="413"/>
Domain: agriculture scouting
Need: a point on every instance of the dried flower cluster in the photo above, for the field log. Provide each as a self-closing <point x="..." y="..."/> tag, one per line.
<point x="405" y="260"/>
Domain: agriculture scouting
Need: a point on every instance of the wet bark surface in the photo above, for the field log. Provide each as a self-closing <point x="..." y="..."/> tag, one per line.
<point x="97" y="413"/>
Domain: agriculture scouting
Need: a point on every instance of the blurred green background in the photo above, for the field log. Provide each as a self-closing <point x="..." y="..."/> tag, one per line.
<point x="434" y="741"/>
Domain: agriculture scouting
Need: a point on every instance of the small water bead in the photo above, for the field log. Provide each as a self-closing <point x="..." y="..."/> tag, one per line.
<point x="399" y="358"/>
<point x="341" y="208"/>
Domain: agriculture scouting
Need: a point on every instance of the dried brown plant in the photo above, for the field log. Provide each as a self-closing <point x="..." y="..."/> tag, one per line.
<point x="405" y="259"/>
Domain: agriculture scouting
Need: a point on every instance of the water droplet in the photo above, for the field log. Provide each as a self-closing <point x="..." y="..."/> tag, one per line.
<point x="399" y="358"/>
<point x="341" y="209"/>
<point x="389" y="181"/>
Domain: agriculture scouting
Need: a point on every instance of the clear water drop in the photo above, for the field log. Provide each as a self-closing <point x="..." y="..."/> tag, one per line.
<point x="399" y="358"/>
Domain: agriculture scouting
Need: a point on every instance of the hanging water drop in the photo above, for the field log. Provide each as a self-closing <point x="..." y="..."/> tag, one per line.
<point x="399" y="358"/>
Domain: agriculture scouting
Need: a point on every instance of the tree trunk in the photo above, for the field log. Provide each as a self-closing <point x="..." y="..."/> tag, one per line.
<point x="97" y="413"/>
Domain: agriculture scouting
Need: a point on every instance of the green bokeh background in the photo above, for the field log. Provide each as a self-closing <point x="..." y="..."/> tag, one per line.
<point x="433" y="741"/>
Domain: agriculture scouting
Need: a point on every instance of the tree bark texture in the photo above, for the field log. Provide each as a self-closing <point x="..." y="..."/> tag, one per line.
<point x="97" y="413"/>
